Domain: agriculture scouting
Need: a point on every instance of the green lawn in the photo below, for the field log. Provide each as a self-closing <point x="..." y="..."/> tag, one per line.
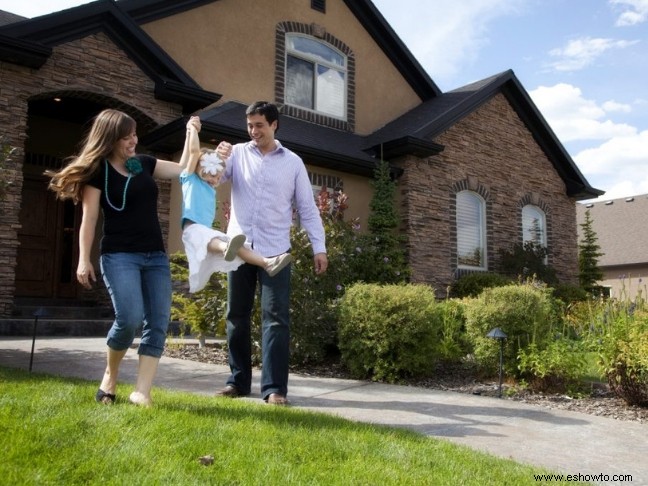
<point x="53" y="433"/>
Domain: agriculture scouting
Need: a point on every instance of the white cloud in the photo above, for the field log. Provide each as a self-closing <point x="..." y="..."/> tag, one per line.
<point x="573" y="117"/>
<point x="618" y="166"/>
<point x="611" y="105"/>
<point x="579" y="53"/>
<point x="633" y="12"/>
<point x="456" y="36"/>
<point x="619" y="154"/>
<point x="619" y="163"/>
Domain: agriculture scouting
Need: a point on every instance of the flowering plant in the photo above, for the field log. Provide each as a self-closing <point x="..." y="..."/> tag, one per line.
<point x="133" y="166"/>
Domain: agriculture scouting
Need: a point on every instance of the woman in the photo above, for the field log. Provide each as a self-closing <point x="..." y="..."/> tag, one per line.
<point x="108" y="174"/>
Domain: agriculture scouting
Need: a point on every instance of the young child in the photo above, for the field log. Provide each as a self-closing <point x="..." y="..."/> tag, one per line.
<point x="209" y="250"/>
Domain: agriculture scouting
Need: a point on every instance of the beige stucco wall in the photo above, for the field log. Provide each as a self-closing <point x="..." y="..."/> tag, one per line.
<point x="230" y="49"/>
<point x="626" y="282"/>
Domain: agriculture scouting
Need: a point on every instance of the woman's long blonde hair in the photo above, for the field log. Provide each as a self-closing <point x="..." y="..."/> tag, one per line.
<point x="107" y="128"/>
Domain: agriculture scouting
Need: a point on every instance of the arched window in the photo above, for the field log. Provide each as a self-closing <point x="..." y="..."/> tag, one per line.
<point x="316" y="76"/>
<point x="471" y="230"/>
<point x="534" y="225"/>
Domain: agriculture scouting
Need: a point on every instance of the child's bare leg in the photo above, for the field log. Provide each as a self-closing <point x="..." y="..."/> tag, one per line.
<point x="216" y="245"/>
<point x="229" y="249"/>
<point x="252" y="257"/>
<point x="271" y="265"/>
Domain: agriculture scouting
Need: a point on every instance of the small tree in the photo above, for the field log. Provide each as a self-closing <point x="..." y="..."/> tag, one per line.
<point x="588" y="254"/>
<point x="384" y="258"/>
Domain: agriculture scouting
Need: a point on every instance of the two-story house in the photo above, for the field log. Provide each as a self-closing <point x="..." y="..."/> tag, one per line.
<point x="478" y="168"/>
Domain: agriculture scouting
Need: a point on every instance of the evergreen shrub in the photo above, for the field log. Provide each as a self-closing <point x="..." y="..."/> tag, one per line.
<point x="525" y="312"/>
<point x="473" y="284"/>
<point x="388" y="332"/>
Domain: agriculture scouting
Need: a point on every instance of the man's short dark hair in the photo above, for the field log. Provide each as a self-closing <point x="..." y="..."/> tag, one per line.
<point x="266" y="109"/>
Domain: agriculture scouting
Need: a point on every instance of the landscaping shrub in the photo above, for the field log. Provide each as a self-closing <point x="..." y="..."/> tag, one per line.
<point x="525" y="312"/>
<point x="473" y="284"/>
<point x="568" y="293"/>
<point x="527" y="260"/>
<point x="313" y="308"/>
<point x="618" y="332"/>
<point x="452" y="344"/>
<point x="202" y="312"/>
<point x="556" y="368"/>
<point x="353" y="257"/>
<point x="388" y="332"/>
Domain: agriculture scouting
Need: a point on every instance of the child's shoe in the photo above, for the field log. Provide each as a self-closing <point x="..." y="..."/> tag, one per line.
<point x="233" y="246"/>
<point x="276" y="264"/>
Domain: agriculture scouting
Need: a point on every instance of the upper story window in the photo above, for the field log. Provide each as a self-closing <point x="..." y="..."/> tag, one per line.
<point x="319" y="5"/>
<point x="534" y="225"/>
<point x="316" y="76"/>
<point x="471" y="230"/>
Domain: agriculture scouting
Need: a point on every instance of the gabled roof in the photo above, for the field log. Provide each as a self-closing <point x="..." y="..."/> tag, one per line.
<point x="60" y="26"/>
<point x="319" y="145"/>
<point x="619" y="228"/>
<point x="30" y="42"/>
<point x="367" y="14"/>
<point x="9" y="18"/>
<point x="435" y="116"/>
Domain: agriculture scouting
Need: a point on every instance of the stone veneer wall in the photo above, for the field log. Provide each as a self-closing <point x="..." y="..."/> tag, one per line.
<point x="492" y="152"/>
<point x="93" y="68"/>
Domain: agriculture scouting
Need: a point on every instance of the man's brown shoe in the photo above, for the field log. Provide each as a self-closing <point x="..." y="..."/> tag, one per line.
<point x="229" y="391"/>
<point x="276" y="399"/>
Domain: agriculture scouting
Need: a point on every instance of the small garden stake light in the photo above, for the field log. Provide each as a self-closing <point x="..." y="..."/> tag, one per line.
<point x="500" y="335"/>
<point x="40" y="312"/>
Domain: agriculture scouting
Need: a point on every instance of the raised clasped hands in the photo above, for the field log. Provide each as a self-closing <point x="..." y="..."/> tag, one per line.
<point x="224" y="150"/>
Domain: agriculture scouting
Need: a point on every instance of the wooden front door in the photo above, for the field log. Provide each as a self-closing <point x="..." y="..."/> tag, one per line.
<point x="47" y="255"/>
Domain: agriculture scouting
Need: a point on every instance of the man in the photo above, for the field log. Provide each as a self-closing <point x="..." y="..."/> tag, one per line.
<point x="267" y="180"/>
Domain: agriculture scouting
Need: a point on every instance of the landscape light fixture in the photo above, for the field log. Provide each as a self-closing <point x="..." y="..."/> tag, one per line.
<point x="500" y="335"/>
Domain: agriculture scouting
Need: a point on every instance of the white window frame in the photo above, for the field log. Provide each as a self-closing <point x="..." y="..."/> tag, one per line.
<point x="471" y="230"/>
<point x="318" y="96"/>
<point x="530" y="215"/>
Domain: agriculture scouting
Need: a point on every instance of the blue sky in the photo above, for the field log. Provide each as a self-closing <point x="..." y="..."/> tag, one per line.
<point x="583" y="62"/>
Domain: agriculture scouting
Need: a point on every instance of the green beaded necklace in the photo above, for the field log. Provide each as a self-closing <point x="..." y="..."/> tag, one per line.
<point x="134" y="167"/>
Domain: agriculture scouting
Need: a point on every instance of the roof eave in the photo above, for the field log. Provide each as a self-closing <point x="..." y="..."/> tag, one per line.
<point x="23" y="53"/>
<point x="168" y="138"/>
<point x="190" y="98"/>
<point x="406" y="146"/>
<point x="400" y="56"/>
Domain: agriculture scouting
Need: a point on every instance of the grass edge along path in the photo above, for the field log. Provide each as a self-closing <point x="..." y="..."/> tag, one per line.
<point x="54" y="433"/>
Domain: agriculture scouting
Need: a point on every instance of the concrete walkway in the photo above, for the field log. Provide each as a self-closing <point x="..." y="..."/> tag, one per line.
<point x="563" y="441"/>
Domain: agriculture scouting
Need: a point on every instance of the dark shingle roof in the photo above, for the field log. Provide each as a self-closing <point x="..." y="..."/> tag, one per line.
<point x="621" y="227"/>
<point x="30" y="43"/>
<point x="434" y="116"/>
<point x="317" y="144"/>
<point x="7" y="18"/>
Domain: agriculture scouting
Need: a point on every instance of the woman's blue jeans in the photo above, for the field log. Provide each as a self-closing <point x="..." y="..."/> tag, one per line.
<point x="140" y="288"/>
<point x="275" y="328"/>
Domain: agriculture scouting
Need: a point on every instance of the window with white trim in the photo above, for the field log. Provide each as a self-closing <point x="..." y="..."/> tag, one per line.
<point x="534" y="225"/>
<point x="471" y="230"/>
<point x="316" y="76"/>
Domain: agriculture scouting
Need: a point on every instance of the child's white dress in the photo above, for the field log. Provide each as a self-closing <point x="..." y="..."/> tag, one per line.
<point x="199" y="206"/>
<point x="203" y="263"/>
